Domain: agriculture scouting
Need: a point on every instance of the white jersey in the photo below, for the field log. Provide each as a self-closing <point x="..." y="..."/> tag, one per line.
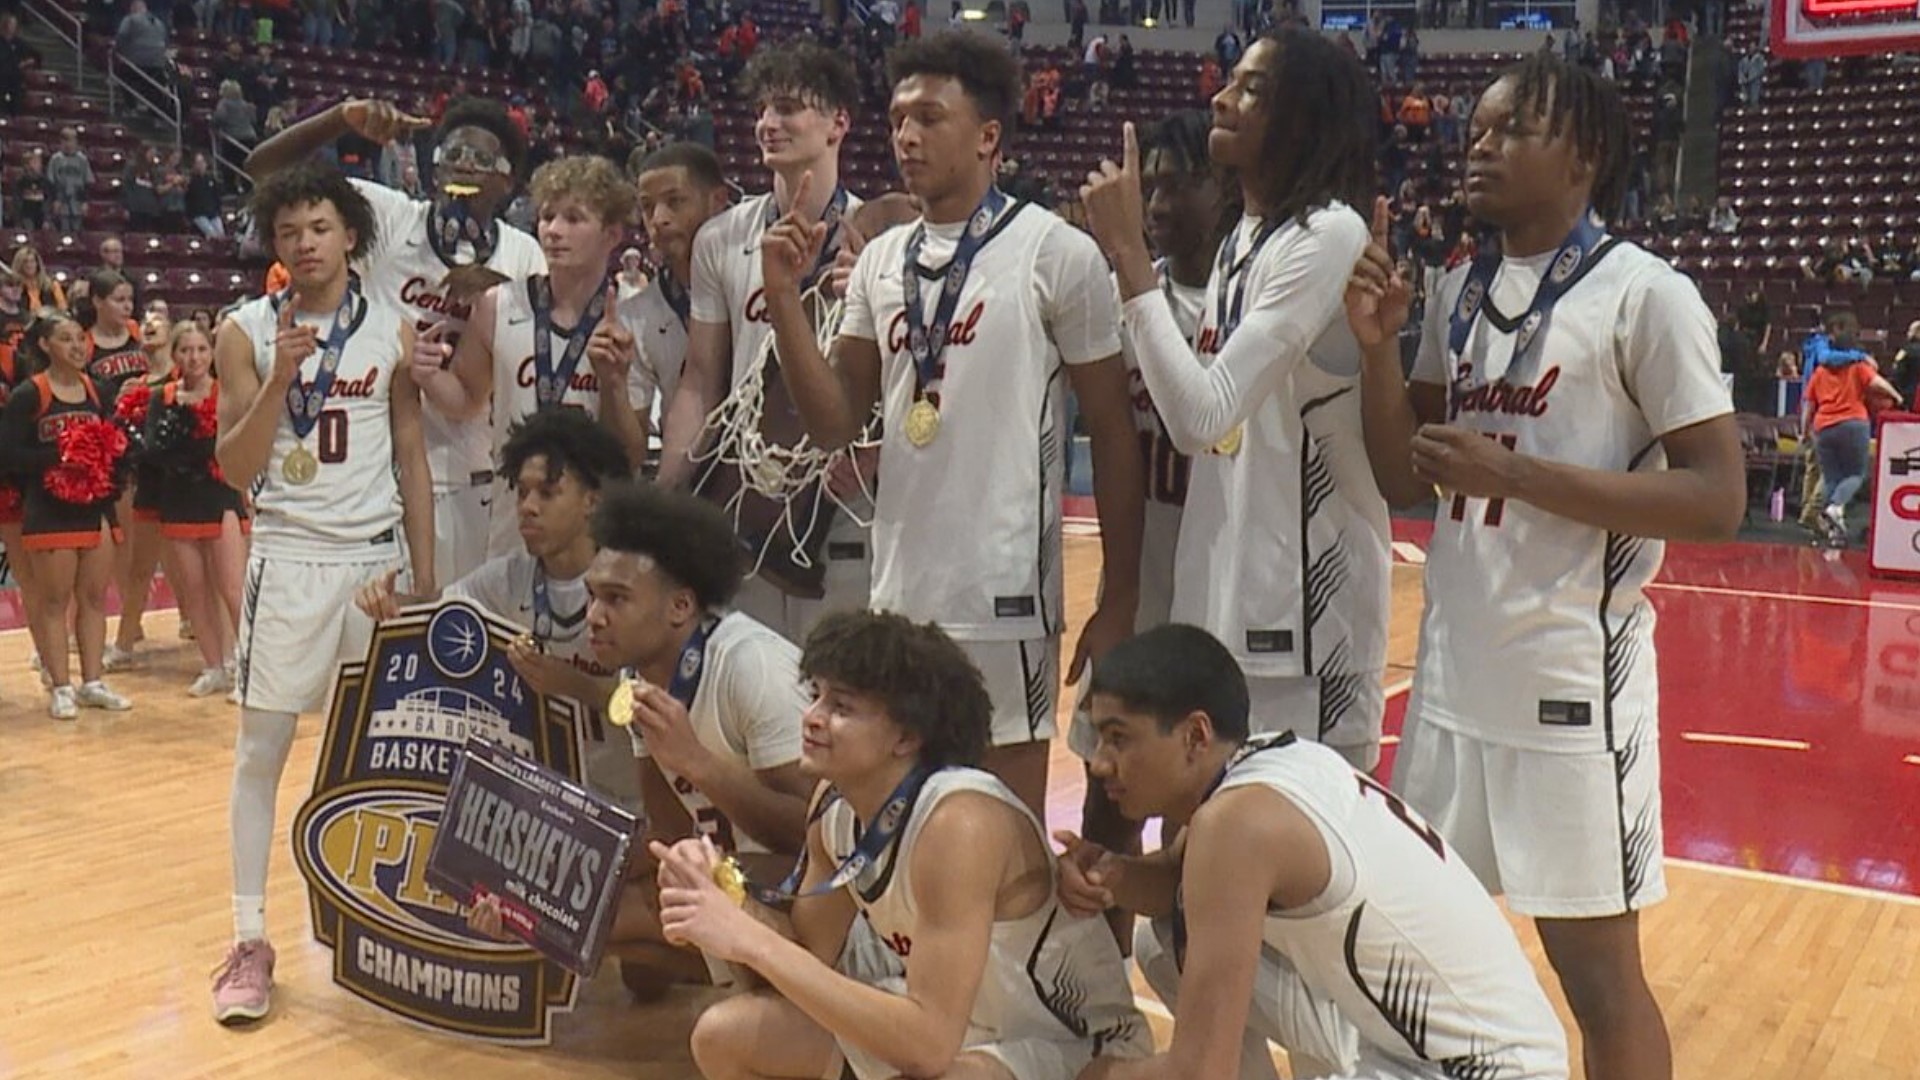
<point x="661" y="339"/>
<point x="1168" y="470"/>
<point x="401" y="269"/>
<point x="966" y="529"/>
<point x="747" y="708"/>
<point x="1284" y="548"/>
<point x="353" y="503"/>
<point x="1048" y="975"/>
<point x="1404" y="941"/>
<point x="726" y="285"/>
<point x="514" y="375"/>
<point x="505" y="586"/>
<point x="1537" y="631"/>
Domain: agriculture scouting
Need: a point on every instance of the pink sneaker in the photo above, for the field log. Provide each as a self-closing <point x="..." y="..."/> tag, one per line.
<point x="243" y="984"/>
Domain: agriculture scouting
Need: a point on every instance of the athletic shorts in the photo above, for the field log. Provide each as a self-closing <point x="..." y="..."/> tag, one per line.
<point x="1274" y="705"/>
<point x="460" y="529"/>
<point x="1023" y="681"/>
<point x="297" y="623"/>
<point x="848" y="586"/>
<point x="1564" y="836"/>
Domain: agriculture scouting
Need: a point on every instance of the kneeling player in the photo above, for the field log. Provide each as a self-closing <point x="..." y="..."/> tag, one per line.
<point x="949" y="867"/>
<point x="1301" y="902"/>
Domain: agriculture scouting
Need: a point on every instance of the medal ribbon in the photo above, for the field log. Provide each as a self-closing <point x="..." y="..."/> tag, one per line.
<point x="454" y="221"/>
<point x="1285" y="738"/>
<point x="928" y="342"/>
<point x="836" y="209"/>
<point x="676" y="296"/>
<point x="1576" y="251"/>
<point x="305" y="400"/>
<point x="693" y="664"/>
<point x="879" y="835"/>
<point x="542" y="604"/>
<point x="1226" y="317"/>
<point x="550" y="386"/>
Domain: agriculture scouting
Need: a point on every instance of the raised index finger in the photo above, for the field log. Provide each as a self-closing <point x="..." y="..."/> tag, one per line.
<point x="1382" y="217"/>
<point x="800" y="193"/>
<point x="1130" y="150"/>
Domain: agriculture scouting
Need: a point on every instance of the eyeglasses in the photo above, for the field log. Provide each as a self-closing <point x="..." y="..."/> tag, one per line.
<point x="468" y="156"/>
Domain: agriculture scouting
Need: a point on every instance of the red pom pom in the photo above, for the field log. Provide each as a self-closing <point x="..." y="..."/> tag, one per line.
<point x="134" y="402"/>
<point x="10" y="500"/>
<point x="213" y="470"/>
<point x="90" y="454"/>
<point x="206" y="418"/>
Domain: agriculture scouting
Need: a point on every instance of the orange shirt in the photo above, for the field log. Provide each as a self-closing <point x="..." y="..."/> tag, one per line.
<point x="278" y="278"/>
<point x="1416" y="110"/>
<point x="1839" y="394"/>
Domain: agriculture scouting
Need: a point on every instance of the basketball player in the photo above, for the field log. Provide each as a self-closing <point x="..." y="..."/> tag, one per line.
<point x="1284" y="553"/>
<point x="1572" y="425"/>
<point x="561" y="463"/>
<point x="967" y="524"/>
<point x="1301" y="902"/>
<point x="528" y="347"/>
<point x="320" y="421"/>
<point x="806" y="95"/>
<point x="717" y="701"/>
<point x="421" y="266"/>
<point x="681" y="187"/>
<point x="983" y="976"/>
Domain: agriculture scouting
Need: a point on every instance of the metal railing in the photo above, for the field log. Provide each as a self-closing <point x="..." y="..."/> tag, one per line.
<point x="66" y="26"/>
<point x="160" y="100"/>
<point x="229" y="157"/>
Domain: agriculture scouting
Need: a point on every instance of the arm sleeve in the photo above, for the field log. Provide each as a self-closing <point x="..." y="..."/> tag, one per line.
<point x="1077" y="303"/>
<point x="708" y="299"/>
<point x="764" y="701"/>
<point x="1669" y="354"/>
<point x="856" y="316"/>
<point x="1301" y="292"/>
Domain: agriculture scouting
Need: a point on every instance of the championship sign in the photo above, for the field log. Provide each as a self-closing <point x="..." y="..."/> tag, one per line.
<point x="396" y="728"/>
<point x="551" y="852"/>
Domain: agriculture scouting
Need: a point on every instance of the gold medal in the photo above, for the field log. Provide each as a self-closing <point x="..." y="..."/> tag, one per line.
<point x="731" y="880"/>
<point x="1230" y="445"/>
<point x="620" y="706"/>
<point x="923" y="422"/>
<point x="299" y="466"/>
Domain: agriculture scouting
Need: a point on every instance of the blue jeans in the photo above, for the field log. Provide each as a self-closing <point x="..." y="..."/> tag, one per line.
<point x="1842" y="449"/>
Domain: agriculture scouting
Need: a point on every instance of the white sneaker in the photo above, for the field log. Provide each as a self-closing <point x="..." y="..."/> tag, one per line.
<point x="95" y="695"/>
<point x="1837" y="517"/>
<point x="62" y="706"/>
<point x="211" y="681"/>
<point x="116" y="658"/>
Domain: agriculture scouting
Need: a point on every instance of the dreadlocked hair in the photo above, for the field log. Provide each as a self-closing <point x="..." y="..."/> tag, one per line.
<point x="1183" y="136"/>
<point x="1587" y="108"/>
<point x="1321" y="136"/>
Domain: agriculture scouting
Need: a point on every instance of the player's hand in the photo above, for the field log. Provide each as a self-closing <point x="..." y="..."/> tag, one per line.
<point x="791" y="247"/>
<point x="684" y="864"/>
<point x="1107" y="627"/>
<point x="611" y="349"/>
<point x="432" y="352"/>
<point x="698" y="914"/>
<point x="380" y="121"/>
<point x="377" y="598"/>
<point x="291" y="345"/>
<point x="1465" y="462"/>
<point x="851" y="244"/>
<point x="668" y="732"/>
<point x="1116" y="212"/>
<point x="1085" y="871"/>
<point x="1379" y="295"/>
<point x="545" y="673"/>
<point x="853" y="475"/>
<point x="484" y="918"/>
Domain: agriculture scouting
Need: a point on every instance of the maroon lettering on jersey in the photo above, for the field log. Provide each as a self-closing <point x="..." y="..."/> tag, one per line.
<point x="1209" y="341"/>
<point x="426" y="296"/>
<point x="1137" y="388"/>
<point x="583" y="378"/>
<point x="963" y="331"/>
<point x="361" y="387"/>
<point x="756" y="309"/>
<point x="900" y="944"/>
<point x="1502" y="397"/>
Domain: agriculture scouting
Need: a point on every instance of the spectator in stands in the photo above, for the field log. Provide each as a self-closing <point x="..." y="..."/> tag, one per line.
<point x="448" y="15"/>
<point x="1210" y="81"/>
<point x="1892" y="259"/>
<point x="1753" y="76"/>
<point x="141" y="41"/>
<point x="911" y="21"/>
<point x="203" y="199"/>
<point x="139" y="190"/>
<point x="233" y="116"/>
<point x="1125" y="75"/>
<point x="1755" y="316"/>
<point x="31" y="189"/>
<point x="1695" y="217"/>
<point x="1904" y="373"/>
<point x="39" y="288"/>
<point x="1416" y="113"/>
<point x="16" y="59"/>
<point x="172" y="189"/>
<point x="1837" y="404"/>
<point x="632" y="275"/>
<point x="274" y="85"/>
<point x="1723" y="220"/>
<point x="1409" y="55"/>
<point x="1666" y="216"/>
<point x="276" y="122"/>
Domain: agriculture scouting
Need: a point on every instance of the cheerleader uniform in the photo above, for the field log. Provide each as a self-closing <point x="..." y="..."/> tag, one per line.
<point x="147" y="477"/>
<point x="192" y="501"/>
<point x="11" y="510"/>
<point x="29" y="443"/>
<point x="116" y="367"/>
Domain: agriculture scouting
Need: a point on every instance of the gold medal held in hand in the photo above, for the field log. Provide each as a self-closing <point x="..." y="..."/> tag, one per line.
<point x="620" y="706"/>
<point x="731" y="879"/>
<point x="1230" y="445"/>
<point x="923" y="422"/>
<point x="299" y="466"/>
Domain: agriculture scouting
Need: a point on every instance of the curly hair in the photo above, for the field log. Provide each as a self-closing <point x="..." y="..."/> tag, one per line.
<point x="987" y="73"/>
<point x="1173" y="671"/>
<point x="687" y="537"/>
<point x="924" y="680"/>
<point x="490" y="116"/>
<point x="817" y="75"/>
<point x="307" y="183"/>
<point x="592" y="179"/>
<point x="569" y="441"/>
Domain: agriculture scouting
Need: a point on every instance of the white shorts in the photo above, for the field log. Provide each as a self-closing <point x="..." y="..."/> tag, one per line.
<point x="460" y="527"/>
<point x="1274" y="704"/>
<point x="1564" y="836"/>
<point x="1023" y="680"/>
<point x="297" y="623"/>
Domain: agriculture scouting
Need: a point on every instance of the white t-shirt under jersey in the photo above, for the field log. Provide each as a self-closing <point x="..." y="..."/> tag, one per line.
<point x="401" y="269"/>
<point x="748" y="708"/>
<point x="1168" y="470"/>
<point x="966" y="530"/>
<point x="504" y="586"/>
<point x="355" y="495"/>
<point x="1537" y="631"/>
<point x="1405" y="940"/>
<point x="1284" y="547"/>
<point x="1048" y="975"/>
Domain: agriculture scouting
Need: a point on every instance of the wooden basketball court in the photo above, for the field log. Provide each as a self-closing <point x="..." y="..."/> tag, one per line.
<point x="115" y="884"/>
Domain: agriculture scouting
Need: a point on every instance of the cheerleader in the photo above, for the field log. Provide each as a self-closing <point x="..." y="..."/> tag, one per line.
<point x="116" y="359"/>
<point x="14" y="370"/>
<point x="204" y="521"/>
<point x="68" y="496"/>
<point x="134" y="562"/>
